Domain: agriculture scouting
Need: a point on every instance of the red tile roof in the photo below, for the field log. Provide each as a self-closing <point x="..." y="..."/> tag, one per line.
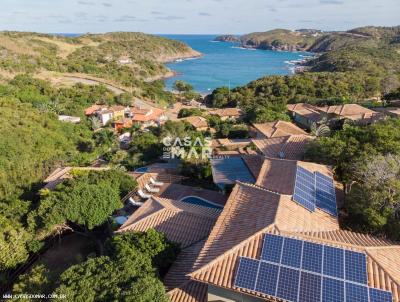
<point x="145" y="115"/>
<point x="309" y="111"/>
<point x="279" y="129"/>
<point x="226" y="112"/>
<point x="285" y="147"/>
<point x="181" y="222"/>
<point x="196" y="121"/>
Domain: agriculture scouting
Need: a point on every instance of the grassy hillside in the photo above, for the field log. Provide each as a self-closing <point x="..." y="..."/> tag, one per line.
<point x="280" y="39"/>
<point x="97" y="55"/>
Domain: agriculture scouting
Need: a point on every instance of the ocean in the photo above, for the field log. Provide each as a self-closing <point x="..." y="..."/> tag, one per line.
<point x="225" y="64"/>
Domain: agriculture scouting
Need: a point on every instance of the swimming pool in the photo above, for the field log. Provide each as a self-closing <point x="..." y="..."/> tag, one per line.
<point x="200" y="202"/>
<point x="142" y="170"/>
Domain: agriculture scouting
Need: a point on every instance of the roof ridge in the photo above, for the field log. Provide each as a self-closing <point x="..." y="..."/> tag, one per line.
<point x="255" y="186"/>
<point x="144" y="217"/>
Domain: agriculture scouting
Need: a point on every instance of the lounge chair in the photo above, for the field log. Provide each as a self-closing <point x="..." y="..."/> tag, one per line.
<point x="156" y="183"/>
<point x="143" y="195"/>
<point x="135" y="203"/>
<point x="151" y="190"/>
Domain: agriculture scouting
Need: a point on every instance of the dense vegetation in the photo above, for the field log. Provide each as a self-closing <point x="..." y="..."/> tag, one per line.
<point x="367" y="160"/>
<point x="265" y="99"/>
<point x="129" y="270"/>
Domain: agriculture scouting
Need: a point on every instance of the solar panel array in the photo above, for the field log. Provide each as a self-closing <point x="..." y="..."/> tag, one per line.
<point x="301" y="271"/>
<point x="313" y="190"/>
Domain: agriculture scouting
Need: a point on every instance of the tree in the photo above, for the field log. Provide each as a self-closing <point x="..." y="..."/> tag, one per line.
<point x="38" y="280"/>
<point x="374" y="198"/>
<point x="182" y="86"/>
<point x="151" y="243"/>
<point x="13" y="243"/>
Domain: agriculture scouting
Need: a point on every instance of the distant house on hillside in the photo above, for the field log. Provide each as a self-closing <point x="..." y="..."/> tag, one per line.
<point x="277" y="129"/>
<point x="198" y="122"/>
<point x="352" y="112"/>
<point x="69" y="119"/>
<point x="310" y="116"/>
<point x="118" y="111"/>
<point x="147" y="117"/>
<point x="122" y="123"/>
<point x="305" y="115"/>
<point x="124" y="60"/>
<point x="228" y="113"/>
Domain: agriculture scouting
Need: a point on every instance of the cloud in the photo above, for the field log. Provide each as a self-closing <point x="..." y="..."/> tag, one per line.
<point x="84" y="2"/>
<point x="204" y="14"/>
<point x="125" y="18"/>
<point x="154" y="12"/>
<point x="170" y="18"/>
<point x="331" y="2"/>
<point x="106" y="4"/>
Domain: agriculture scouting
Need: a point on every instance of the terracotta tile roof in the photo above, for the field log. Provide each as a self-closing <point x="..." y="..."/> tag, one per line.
<point x="254" y="163"/>
<point x="196" y="121"/>
<point x="177" y="192"/>
<point x="190" y="292"/>
<point x="347" y="110"/>
<point x="309" y="111"/>
<point x="116" y="108"/>
<point x="144" y="115"/>
<point x="226" y="112"/>
<point x="181" y="222"/>
<point x="92" y="109"/>
<point x="382" y="263"/>
<point x="279" y="175"/>
<point x="184" y="265"/>
<point x="279" y="129"/>
<point x="285" y="147"/>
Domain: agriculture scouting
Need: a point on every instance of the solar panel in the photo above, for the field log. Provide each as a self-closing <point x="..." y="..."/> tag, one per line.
<point x="247" y="273"/>
<point x="310" y="287"/>
<point x="356" y="267"/>
<point x="297" y="270"/>
<point x="333" y="262"/>
<point x="291" y="254"/>
<point x="312" y="257"/>
<point x="325" y="193"/>
<point x="304" y="190"/>
<point x="272" y="248"/>
<point x="288" y="284"/>
<point x="267" y="278"/>
<point x="376" y="295"/>
<point x="356" y="293"/>
<point x="332" y="290"/>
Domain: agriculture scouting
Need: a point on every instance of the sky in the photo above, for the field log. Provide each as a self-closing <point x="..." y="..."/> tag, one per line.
<point x="194" y="16"/>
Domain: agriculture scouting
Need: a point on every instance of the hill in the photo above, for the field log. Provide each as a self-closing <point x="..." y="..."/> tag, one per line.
<point x="280" y="39"/>
<point x="123" y="57"/>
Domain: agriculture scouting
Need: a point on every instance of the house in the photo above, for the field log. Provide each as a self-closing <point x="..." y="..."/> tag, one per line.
<point x="268" y="221"/>
<point x="118" y="111"/>
<point x="198" y="122"/>
<point x="284" y="147"/>
<point x="305" y="115"/>
<point x="277" y="129"/>
<point x="93" y="109"/>
<point x="69" y="119"/>
<point x="105" y="116"/>
<point x="122" y="123"/>
<point x="309" y="116"/>
<point x="147" y="117"/>
<point x="353" y="112"/>
<point x="124" y="60"/>
<point x="230" y="144"/>
<point x="181" y="222"/>
<point x="228" y="113"/>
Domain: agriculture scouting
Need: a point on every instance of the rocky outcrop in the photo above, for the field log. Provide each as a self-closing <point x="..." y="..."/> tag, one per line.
<point x="227" y="38"/>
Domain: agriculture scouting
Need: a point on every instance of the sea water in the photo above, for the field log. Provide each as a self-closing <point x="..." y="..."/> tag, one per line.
<point x="228" y="64"/>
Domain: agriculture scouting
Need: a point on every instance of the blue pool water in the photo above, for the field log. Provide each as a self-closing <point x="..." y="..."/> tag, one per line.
<point x="200" y="202"/>
<point x="225" y="63"/>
